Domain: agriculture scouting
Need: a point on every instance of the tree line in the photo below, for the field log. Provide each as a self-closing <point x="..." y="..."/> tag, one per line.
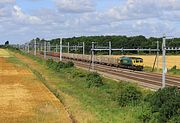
<point x="117" y="42"/>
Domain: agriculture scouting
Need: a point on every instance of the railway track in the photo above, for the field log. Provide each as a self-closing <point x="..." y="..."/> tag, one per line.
<point x="145" y="79"/>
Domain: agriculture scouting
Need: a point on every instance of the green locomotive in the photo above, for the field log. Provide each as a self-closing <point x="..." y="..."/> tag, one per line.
<point x="134" y="63"/>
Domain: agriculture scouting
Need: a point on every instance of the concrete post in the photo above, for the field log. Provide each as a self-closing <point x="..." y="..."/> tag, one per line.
<point x="138" y="51"/>
<point x="28" y="48"/>
<point x="35" y="47"/>
<point x="157" y="56"/>
<point x="44" y="49"/>
<point x="41" y="47"/>
<point x="83" y="48"/>
<point x="110" y="52"/>
<point x="49" y="48"/>
<point x="164" y="62"/>
<point x="60" y="49"/>
<point x="68" y="47"/>
<point x="56" y="48"/>
<point x="25" y="48"/>
<point x="93" y="57"/>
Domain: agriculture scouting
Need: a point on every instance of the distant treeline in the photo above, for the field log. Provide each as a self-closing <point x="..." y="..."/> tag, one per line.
<point x="118" y="42"/>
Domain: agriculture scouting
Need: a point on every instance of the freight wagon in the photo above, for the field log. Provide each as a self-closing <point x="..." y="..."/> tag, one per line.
<point x="134" y="63"/>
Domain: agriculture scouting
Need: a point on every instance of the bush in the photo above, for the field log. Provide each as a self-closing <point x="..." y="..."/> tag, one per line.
<point x="175" y="119"/>
<point x="76" y="73"/>
<point x="129" y="95"/>
<point x="174" y="68"/>
<point x="49" y="62"/>
<point x="94" y="80"/>
<point x="58" y="65"/>
<point x="167" y="102"/>
<point x="145" y="114"/>
<point x="69" y="64"/>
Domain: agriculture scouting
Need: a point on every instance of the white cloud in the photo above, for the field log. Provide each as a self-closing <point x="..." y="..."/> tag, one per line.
<point x="75" y="6"/>
<point x="23" y="18"/>
<point x="154" y="26"/>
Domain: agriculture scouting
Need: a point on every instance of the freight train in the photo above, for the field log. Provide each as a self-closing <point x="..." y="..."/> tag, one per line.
<point x="133" y="63"/>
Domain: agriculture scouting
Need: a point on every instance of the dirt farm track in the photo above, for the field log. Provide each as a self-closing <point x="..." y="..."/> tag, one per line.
<point x="24" y="98"/>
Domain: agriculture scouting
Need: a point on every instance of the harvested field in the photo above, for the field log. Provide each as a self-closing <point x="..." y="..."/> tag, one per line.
<point x="149" y="60"/>
<point x="24" y="99"/>
<point x="4" y="53"/>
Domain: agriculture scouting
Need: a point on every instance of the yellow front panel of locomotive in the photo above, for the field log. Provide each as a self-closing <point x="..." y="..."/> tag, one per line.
<point x="137" y="62"/>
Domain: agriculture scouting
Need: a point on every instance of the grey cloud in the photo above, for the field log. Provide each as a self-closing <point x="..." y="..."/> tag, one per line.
<point x="3" y="2"/>
<point x="6" y="7"/>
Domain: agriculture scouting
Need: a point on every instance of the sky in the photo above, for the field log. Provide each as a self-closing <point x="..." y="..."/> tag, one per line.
<point x="23" y="20"/>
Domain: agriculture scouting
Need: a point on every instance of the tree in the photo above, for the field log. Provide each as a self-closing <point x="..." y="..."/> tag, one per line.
<point x="7" y="43"/>
<point x="37" y="39"/>
<point x="117" y="42"/>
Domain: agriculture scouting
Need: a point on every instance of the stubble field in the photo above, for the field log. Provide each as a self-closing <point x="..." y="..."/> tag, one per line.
<point x="24" y="99"/>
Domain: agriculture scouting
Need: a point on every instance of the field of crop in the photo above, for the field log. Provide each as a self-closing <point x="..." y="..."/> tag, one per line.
<point x="24" y="98"/>
<point x="4" y="53"/>
<point x="149" y="60"/>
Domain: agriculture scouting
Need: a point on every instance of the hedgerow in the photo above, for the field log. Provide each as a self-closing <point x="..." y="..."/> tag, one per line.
<point x="165" y="104"/>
